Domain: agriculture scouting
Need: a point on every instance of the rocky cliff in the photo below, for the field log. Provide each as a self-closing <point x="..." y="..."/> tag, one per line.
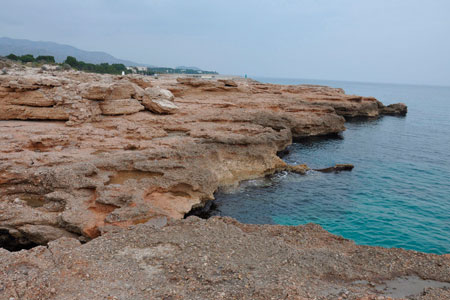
<point x="85" y="155"/>
<point x="80" y="152"/>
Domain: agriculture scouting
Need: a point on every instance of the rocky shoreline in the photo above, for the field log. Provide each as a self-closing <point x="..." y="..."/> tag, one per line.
<point x="115" y="158"/>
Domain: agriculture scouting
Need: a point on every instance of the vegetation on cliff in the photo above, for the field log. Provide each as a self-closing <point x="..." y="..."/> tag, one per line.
<point x="30" y="58"/>
<point x="104" y="68"/>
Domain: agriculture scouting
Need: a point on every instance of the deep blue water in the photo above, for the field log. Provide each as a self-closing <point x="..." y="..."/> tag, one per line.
<point x="398" y="195"/>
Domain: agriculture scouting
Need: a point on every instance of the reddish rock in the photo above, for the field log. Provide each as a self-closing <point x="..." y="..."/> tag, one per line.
<point x="218" y="258"/>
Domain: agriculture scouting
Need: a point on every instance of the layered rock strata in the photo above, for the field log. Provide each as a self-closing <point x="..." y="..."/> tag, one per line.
<point x="82" y="152"/>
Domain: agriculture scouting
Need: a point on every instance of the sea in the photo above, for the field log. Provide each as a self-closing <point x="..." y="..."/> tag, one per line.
<point x="398" y="194"/>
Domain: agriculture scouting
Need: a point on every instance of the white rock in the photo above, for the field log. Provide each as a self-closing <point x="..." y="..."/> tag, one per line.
<point x="159" y="93"/>
<point x="160" y="106"/>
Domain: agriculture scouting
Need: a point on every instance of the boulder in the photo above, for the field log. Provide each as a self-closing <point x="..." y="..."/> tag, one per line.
<point x="397" y="109"/>
<point x="96" y="91"/>
<point x="122" y="90"/>
<point x="337" y="168"/>
<point x="158" y="93"/>
<point x="160" y="106"/>
<point x="299" y="169"/>
<point x="228" y="82"/>
<point x="42" y="234"/>
<point x="120" y="107"/>
<point x="140" y="81"/>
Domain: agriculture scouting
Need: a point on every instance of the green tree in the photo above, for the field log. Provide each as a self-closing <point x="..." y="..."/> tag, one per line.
<point x="13" y="57"/>
<point x="26" y="58"/>
<point x="71" y="61"/>
<point x="46" y="59"/>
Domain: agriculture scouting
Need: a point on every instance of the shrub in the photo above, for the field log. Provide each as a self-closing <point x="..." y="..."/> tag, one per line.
<point x="13" y="57"/>
<point x="27" y="58"/>
<point x="71" y="61"/>
<point x="46" y="59"/>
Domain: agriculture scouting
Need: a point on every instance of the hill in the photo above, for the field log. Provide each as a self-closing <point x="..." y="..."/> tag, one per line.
<point x="59" y="51"/>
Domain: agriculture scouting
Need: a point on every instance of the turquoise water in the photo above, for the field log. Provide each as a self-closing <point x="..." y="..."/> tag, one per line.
<point x="398" y="195"/>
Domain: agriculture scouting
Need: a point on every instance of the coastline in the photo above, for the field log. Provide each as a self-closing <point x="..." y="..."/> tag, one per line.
<point x="88" y="161"/>
<point x="114" y="163"/>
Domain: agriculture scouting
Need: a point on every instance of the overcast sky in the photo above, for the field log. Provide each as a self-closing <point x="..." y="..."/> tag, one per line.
<point x="398" y="41"/>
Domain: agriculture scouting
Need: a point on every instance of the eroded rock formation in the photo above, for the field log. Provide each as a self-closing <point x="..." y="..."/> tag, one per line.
<point x="84" y="155"/>
<point x="81" y="152"/>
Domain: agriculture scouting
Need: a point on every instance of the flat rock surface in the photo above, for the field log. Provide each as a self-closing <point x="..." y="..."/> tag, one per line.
<point x="219" y="258"/>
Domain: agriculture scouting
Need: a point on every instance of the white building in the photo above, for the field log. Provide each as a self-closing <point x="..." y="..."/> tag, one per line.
<point x="136" y="69"/>
<point x="141" y="69"/>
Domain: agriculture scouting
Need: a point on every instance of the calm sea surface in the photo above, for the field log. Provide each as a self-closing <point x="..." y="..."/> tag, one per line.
<point x="398" y="195"/>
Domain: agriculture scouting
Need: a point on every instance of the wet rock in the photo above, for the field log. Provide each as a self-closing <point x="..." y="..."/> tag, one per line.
<point x="337" y="168"/>
<point x="299" y="169"/>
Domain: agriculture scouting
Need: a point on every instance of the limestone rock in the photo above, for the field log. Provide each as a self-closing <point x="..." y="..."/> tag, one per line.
<point x="113" y="164"/>
<point x="220" y="258"/>
<point x="300" y="169"/>
<point x="228" y="82"/>
<point x="42" y="234"/>
<point x="121" y="90"/>
<point x="140" y="81"/>
<point x="160" y="106"/>
<point x="158" y="93"/>
<point x="95" y="91"/>
<point x="21" y="112"/>
<point x="121" y="107"/>
<point x="397" y="109"/>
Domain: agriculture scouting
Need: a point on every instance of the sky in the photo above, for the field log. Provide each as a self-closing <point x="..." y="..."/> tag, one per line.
<point x="392" y="41"/>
